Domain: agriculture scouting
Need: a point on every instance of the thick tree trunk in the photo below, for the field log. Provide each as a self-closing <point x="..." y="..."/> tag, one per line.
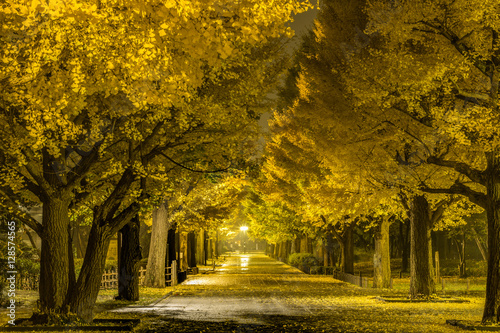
<point x="421" y="281"/>
<point x="191" y="249"/>
<point x="130" y="255"/>
<point x="491" y="311"/>
<point x="183" y="246"/>
<point x="382" y="258"/>
<point x="54" y="258"/>
<point x="329" y="257"/>
<point x="348" y="251"/>
<point x="309" y="245"/>
<point x="293" y="247"/>
<point x="303" y="244"/>
<point x="200" y="251"/>
<point x="282" y="254"/>
<point x="84" y="295"/>
<point x="155" y="270"/>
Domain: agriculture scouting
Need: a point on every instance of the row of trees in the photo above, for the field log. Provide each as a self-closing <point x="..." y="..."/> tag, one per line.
<point x="391" y="112"/>
<point x="108" y="105"/>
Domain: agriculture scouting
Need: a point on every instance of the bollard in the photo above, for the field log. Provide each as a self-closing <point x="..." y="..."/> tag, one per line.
<point x="442" y="285"/>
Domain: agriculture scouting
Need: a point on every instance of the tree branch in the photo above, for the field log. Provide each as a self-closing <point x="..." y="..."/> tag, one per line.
<point x="194" y="170"/>
<point x="458" y="188"/>
<point x="21" y="215"/>
<point x="484" y="66"/>
<point x="80" y="170"/>
<point x="463" y="168"/>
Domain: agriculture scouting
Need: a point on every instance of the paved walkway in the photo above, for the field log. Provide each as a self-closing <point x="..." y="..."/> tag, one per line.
<point x="254" y="293"/>
<point x="243" y="289"/>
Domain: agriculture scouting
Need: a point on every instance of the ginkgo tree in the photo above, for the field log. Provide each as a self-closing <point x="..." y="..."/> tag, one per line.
<point x="97" y="99"/>
<point x="437" y="63"/>
<point x="339" y="118"/>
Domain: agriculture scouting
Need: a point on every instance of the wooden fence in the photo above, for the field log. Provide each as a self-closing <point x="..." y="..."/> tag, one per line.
<point x="354" y="279"/>
<point x="27" y="282"/>
<point x="109" y="279"/>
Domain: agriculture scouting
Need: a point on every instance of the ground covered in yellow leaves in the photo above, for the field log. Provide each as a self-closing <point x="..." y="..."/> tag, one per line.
<point x="253" y="293"/>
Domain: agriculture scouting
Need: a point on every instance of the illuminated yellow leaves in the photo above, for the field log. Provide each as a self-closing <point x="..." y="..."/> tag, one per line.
<point x="75" y="72"/>
<point x="226" y="50"/>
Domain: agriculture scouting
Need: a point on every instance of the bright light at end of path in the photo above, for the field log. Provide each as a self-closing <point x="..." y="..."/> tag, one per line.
<point x="244" y="228"/>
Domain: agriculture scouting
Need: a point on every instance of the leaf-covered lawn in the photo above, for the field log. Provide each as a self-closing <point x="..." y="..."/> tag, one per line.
<point x="315" y="303"/>
<point x="308" y="303"/>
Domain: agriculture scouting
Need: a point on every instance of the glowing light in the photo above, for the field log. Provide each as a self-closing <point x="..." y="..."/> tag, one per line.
<point x="244" y="228"/>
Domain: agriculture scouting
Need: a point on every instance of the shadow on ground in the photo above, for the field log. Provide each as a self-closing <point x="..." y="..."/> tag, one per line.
<point x="271" y="323"/>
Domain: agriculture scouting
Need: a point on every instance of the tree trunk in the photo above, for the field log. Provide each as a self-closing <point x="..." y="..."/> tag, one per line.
<point x="328" y="250"/>
<point x="171" y="250"/>
<point x="303" y="244"/>
<point x="405" y="245"/>
<point x="491" y="311"/>
<point x="84" y="295"/>
<point x="144" y="238"/>
<point x="282" y="254"/>
<point x="421" y="281"/>
<point x="293" y="248"/>
<point x="32" y="241"/>
<point x="155" y="270"/>
<point x="460" y="244"/>
<point x="479" y="244"/>
<point x="200" y="240"/>
<point x="54" y="257"/>
<point x="183" y="246"/>
<point x="128" y="267"/>
<point x="71" y="265"/>
<point x="217" y="243"/>
<point x="382" y="258"/>
<point x="191" y="249"/>
<point x="348" y="251"/>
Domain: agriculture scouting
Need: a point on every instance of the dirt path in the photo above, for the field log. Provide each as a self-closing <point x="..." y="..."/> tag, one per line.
<point x="255" y="293"/>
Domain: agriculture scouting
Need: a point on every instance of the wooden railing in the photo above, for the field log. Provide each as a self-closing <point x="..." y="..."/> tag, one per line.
<point x="27" y="282"/>
<point x="110" y="278"/>
<point x="350" y="278"/>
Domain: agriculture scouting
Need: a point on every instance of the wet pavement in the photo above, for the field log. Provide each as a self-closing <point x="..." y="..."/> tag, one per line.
<point x="243" y="289"/>
<point x="254" y="293"/>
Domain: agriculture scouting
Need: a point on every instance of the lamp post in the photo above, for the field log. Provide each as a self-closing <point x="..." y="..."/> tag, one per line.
<point x="244" y="229"/>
